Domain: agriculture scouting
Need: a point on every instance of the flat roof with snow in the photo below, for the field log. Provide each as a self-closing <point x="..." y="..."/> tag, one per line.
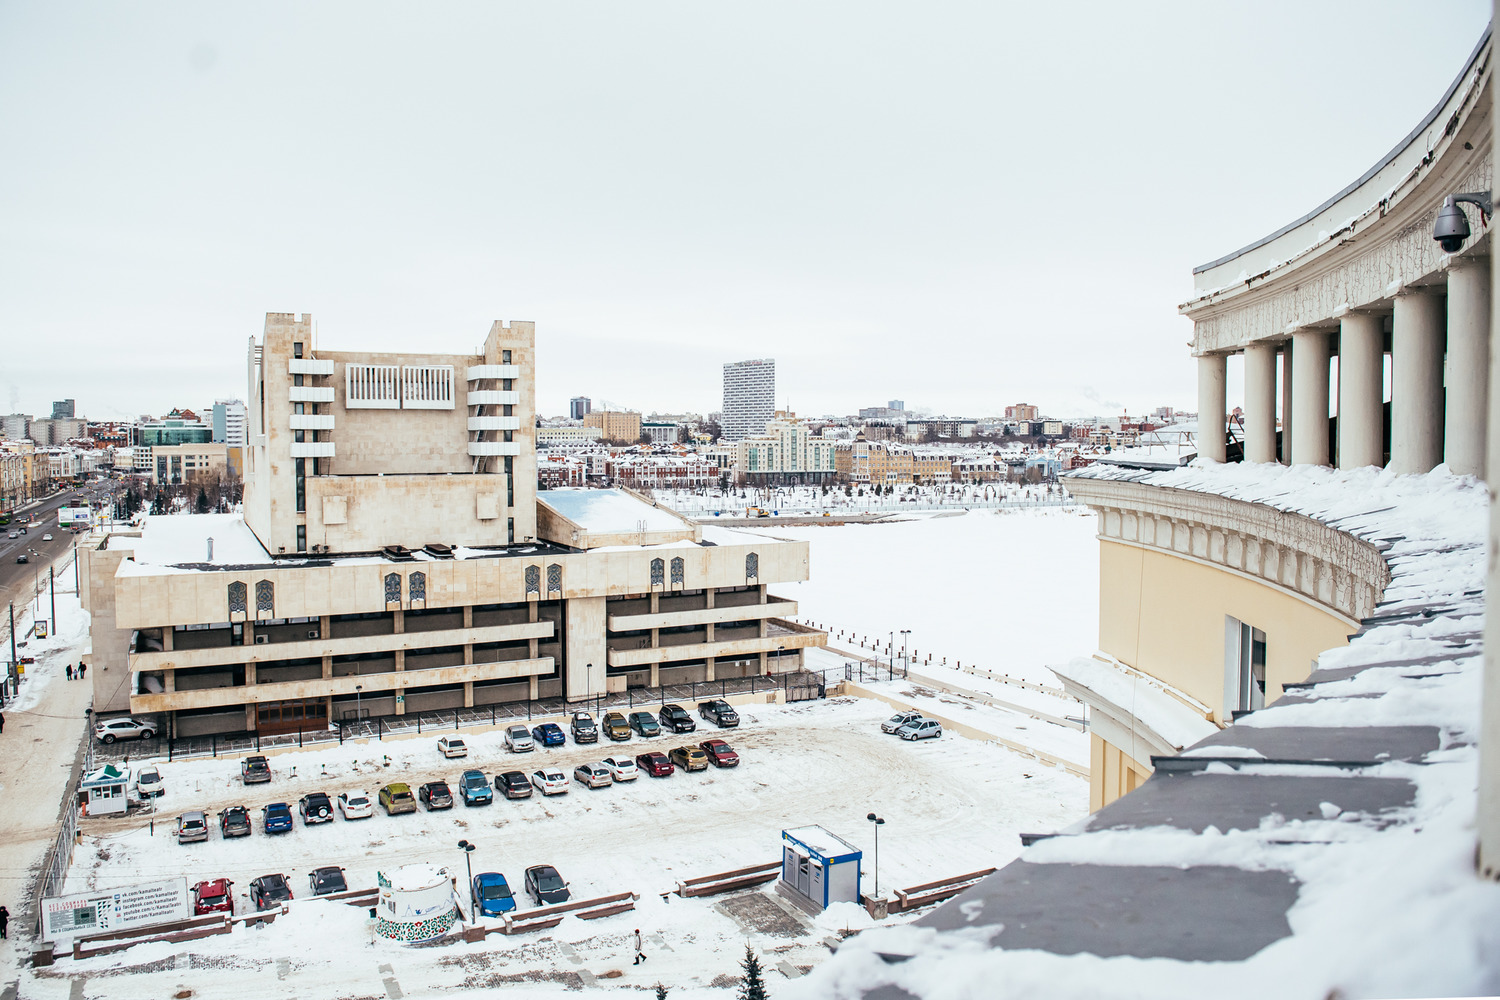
<point x="610" y="511"/>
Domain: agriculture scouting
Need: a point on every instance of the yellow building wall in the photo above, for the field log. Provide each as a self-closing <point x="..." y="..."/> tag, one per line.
<point x="1112" y="773"/>
<point x="1164" y="615"/>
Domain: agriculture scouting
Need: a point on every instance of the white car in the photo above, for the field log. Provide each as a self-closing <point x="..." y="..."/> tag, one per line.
<point x="452" y="746"/>
<point x="123" y="729"/>
<point x="46" y="538"/>
<point x="621" y="768"/>
<point x="900" y="719"/>
<point x="592" y="775"/>
<point x="922" y="729"/>
<point x="356" y="805"/>
<point x="518" y="740"/>
<point x="550" y="782"/>
<point x="148" y="782"/>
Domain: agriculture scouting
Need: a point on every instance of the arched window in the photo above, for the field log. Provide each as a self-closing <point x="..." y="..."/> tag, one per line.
<point x="393" y="588"/>
<point x="554" y="578"/>
<point x="417" y="586"/>
<point x="658" y="572"/>
<point x="265" y="598"/>
<point x="752" y="566"/>
<point x="533" y="579"/>
<point x="677" y="571"/>
<point x="239" y="598"/>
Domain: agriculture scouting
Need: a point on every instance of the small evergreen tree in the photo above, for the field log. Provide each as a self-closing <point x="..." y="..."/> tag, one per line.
<point x="202" y="505"/>
<point x="752" y="986"/>
<point x="661" y="992"/>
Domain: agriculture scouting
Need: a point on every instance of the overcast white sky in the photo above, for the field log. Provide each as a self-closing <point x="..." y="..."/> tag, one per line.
<point x="962" y="205"/>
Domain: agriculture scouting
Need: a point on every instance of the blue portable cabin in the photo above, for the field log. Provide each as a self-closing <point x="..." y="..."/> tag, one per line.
<point x="819" y="866"/>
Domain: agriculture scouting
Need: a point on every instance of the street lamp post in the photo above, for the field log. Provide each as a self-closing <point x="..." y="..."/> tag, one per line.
<point x="590" y="694"/>
<point x="879" y="822"/>
<point x="905" y="661"/>
<point x="891" y="653"/>
<point x="358" y="707"/>
<point x="468" y="849"/>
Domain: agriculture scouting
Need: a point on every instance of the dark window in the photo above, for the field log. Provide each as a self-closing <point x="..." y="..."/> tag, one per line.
<point x="301" y="538"/>
<point x="296" y="348"/>
<point x="752" y="566"/>
<point x="265" y="597"/>
<point x="417" y="586"/>
<point x="505" y="357"/>
<point x="554" y="578"/>
<point x="300" y="468"/>
<point x="678" y="571"/>
<point x="510" y="531"/>
<point x="533" y="579"/>
<point x="238" y="598"/>
<point x="658" y="570"/>
<point x="393" y="588"/>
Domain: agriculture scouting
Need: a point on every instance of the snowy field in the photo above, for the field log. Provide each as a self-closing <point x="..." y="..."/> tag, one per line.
<point x="951" y="805"/>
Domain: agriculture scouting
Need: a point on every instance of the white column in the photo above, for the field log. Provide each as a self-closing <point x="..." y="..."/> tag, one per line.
<point x="1286" y="403"/>
<point x="1361" y="384"/>
<point x="1489" y="699"/>
<point x="1468" y="369"/>
<point x="1417" y="383"/>
<point x="1310" y="398"/>
<point x="1212" y="407"/>
<point x="1260" y="402"/>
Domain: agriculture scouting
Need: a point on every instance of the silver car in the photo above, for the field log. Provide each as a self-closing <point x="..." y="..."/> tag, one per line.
<point x="518" y="740"/>
<point x="895" y="722"/>
<point x="921" y="729"/>
<point x="191" y="827"/>
<point x="592" y="775"/>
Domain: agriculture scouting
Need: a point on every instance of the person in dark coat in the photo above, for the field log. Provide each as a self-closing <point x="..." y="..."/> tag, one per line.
<point x="4" y="922"/>
<point x="69" y="671"/>
<point x="2" y="722"/>
<point x="83" y="671"/>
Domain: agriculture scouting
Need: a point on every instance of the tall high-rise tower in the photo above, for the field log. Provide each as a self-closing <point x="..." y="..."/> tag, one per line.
<point x="749" y="397"/>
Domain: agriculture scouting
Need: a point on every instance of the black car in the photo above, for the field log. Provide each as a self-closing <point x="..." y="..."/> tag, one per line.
<point x="584" y="730"/>
<point x="674" y="719"/>
<point x="234" y="822"/>
<point x="719" y="712"/>
<point x="269" y="891"/>
<point x="435" y="795"/>
<point x="255" y="770"/>
<point x="315" y="807"/>
<point x="22" y="558"/>
<point x="513" y="785"/>
<point x="545" y="885"/>
<point x="322" y="881"/>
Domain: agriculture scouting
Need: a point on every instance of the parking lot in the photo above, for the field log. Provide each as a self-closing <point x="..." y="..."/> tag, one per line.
<point x="950" y="805"/>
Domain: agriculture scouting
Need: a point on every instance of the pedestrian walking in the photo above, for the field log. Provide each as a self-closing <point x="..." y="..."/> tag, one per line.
<point x="2" y="722"/>
<point x="640" y="956"/>
<point x="69" y="671"/>
<point x="82" y="671"/>
<point x="4" y="922"/>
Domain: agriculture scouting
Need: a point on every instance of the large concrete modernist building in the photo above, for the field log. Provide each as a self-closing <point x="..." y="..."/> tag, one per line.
<point x="749" y="398"/>
<point x="395" y="556"/>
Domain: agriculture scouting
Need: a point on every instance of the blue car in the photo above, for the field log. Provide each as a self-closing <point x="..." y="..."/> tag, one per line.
<point x="475" y="788"/>
<point x="549" y="734"/>
<point x="277" y="817"/>
<point x="492" y="895"/>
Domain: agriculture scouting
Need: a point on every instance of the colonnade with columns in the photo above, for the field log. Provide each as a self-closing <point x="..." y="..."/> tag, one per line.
<point x="1440" y="360"/>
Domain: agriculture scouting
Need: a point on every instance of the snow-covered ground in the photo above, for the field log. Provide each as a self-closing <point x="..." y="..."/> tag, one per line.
<point x="813" y="499"/>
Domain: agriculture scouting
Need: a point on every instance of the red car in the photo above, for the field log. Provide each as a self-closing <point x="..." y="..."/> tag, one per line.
<point x="213" y="896"/>
<point x="655" y="764"/>
<point x="720" y="754"/>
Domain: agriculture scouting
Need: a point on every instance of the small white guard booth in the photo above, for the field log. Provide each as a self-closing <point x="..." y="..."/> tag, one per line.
<point x="819" y="867"/>
<point x="104" y="792"/>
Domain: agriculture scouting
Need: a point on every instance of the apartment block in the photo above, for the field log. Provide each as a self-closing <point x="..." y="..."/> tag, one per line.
<point x="784" y="454"/>
<point x="615" y="425"/>
<point x="749" y="398"/>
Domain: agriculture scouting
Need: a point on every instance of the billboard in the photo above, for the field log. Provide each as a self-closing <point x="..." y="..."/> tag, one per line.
<point x="68" y="516"/>
<point x="66" y="917"/>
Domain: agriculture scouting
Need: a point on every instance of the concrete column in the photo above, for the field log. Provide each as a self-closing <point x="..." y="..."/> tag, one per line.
<point x="1468" y="374"/>
<point x="584" y="644"/>
<point x="1417" y="383"/>
<point x="1361" y="390"/>
<point x="1285" y="455"/>
<point x="1260" y="402"/>
<point x="1310" y="398"/>
<point x="1212" y="408"/>
<point x="1489" y="701"/>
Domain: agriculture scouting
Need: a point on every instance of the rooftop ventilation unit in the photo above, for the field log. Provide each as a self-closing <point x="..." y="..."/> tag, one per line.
<point x="397" y="553"/>
<point x="438" y="550"/>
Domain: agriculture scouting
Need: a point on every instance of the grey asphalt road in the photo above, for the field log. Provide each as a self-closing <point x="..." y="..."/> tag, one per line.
<point x="17" y="580"/>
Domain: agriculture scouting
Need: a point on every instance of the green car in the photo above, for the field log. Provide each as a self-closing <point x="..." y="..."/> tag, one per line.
<point x="645" y="724"/>
<point x="615" y="727"/>
<point x="398" y="798"/>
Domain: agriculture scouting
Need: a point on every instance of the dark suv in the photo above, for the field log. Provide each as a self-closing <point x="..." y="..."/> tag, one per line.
<point x="584" y="730"/>
<point x="719" y="712"/>
<point x="315" y="808"/>
<point x="255" y="770"/>
<point x="674" y="719"/>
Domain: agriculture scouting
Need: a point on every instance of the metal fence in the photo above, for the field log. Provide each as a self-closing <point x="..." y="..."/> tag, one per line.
<point x="59" y="856"/>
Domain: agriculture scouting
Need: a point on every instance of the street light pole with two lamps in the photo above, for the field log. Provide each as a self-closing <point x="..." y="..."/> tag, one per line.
<point x="879" y="821"/>
<point x="468" y="849"/>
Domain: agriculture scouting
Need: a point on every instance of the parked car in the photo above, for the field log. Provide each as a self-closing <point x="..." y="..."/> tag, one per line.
<point x="315" y="808"/>
<point x="397" y="798"/>
<point x="123" y="729"/>
<point x="452" y="746"/>
<point x="895" y="722"/>
<point x="492" y="895"/>
<point x="719" y="712"/>
<point x="720" y="754"/>
<point x="545" y="885"/>
<point x="518" y="740"/>
<point x="513" y="785"/>
<point x="550" y="781"/>
<point x="621" y="768"/>
<point x="644" y="724"/>
<point x="689" y="758"/>
<point x="674" y="718"/>
<point x="269" y="891"/>
<point x="322" y="881"/>
<point x="475" y="789"/>
<point x="213" y="896"/>
<point x="276" y="817"/>
<point x="435" y="795"/>
<point x="192" y="827"/>
<point x="549" y="734"/>
<point x="234" y="822"/>
<point x="655" y="763"/>
<point x="922" y="729"/>
<point x="615" y="727"/>
<point x="355" y="805"/>
<point x="255" y="770"/>
<point x="584" y="729"/>
<point x="148" y="783"/>
<point x="592" y="775"/>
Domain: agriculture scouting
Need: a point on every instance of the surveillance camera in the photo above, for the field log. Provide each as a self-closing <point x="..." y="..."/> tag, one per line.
<point x="1451" y="228"/>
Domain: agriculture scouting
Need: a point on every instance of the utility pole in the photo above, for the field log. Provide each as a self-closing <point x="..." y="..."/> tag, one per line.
<point x="52" y="590"/>
<point x="11" y="679"/>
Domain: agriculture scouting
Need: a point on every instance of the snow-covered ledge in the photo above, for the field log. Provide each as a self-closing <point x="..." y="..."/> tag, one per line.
<point x="1134" y="711"/>
<point x="1293" y="552"/>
